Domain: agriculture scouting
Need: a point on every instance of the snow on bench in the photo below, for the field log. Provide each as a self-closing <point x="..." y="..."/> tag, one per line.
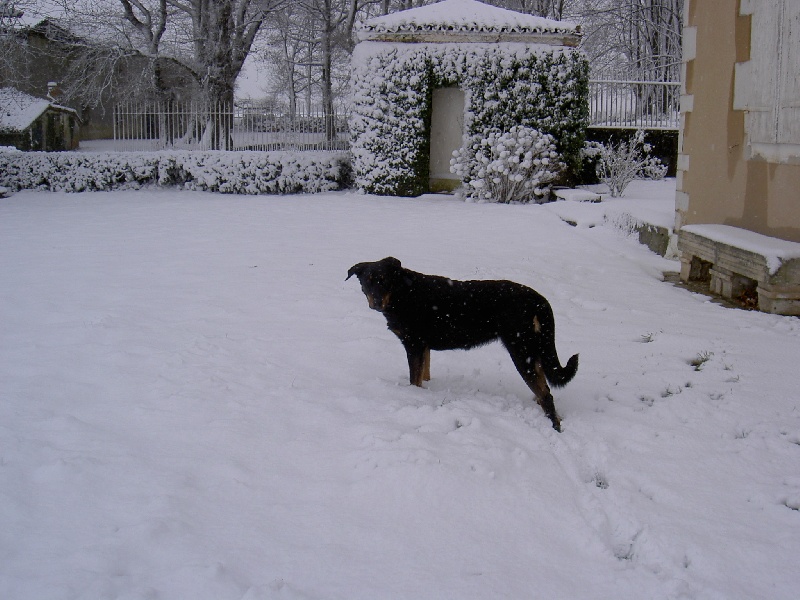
<point x="736" y="259"/>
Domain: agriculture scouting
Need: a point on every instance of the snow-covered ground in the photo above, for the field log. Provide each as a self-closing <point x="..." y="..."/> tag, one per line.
<point x="196" y="405"/>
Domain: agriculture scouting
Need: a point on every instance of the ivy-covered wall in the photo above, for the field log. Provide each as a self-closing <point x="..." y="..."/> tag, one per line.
<point x="505" y="84"/>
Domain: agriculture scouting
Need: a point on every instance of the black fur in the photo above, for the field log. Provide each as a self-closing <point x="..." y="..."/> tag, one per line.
<point x="428" y="312"/>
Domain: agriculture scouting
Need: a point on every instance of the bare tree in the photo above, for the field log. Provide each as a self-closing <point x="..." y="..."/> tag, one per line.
<point x="330" y="15"/>
<point x="147" y="45"/>
<point x="10" y="14"/>
<point x="312" y="42"/>
<point x="292" y="48"/>
<point x="211" y="38"/>
<point x="640" y="38"/>
<point x="552" y="9"/>
<point x="208" y="39"/>
<point x="637" y="38"/>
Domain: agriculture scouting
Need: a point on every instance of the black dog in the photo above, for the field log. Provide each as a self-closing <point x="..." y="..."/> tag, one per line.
<point x="428" y="312"/>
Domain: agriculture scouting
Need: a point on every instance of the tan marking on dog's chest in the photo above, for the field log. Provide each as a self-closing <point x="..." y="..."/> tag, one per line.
<point x="537" y="327"/>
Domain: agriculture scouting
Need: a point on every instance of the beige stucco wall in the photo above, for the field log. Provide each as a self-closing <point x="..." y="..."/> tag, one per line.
<point x="717" y="181"/>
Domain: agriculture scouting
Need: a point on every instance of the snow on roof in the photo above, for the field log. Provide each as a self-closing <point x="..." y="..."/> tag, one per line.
<point x="85" y="30"/>
<point x="463" y="16"/>
<point x="18" y="109"/>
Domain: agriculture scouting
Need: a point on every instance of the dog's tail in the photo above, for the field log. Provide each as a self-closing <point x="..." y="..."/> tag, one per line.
<point x="557" y="375"/>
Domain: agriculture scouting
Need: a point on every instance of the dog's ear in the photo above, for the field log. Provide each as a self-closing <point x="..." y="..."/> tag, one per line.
<point x="391" y="261"/>
<point x="356" y="270"/>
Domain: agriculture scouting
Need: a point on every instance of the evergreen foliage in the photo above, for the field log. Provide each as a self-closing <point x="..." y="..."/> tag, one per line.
<point x="505" y="85"/>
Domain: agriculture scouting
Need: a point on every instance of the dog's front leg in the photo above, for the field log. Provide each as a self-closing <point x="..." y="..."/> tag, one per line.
<point x="416" y="362"/>
<point x="426" y="366"/>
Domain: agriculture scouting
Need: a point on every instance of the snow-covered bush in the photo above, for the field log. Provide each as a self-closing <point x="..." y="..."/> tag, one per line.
<point x="620" y="163"/>
<point x="513" y="166"/>
<point x="225" y="172"/>
<point x="390" y="114"/>
<point x="505" y="85"/>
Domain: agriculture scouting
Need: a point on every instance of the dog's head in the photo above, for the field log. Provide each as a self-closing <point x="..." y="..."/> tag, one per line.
<point x="378" y="280"/>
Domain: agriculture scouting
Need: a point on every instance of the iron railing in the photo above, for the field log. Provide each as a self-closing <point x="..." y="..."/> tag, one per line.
<point x="621" y="104"/>
<point x="613" y="103"/>
<point x="197" y="126"/>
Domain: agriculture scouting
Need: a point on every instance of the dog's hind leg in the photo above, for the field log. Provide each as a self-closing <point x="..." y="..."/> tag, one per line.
<point x="543" y="396"/>
<point x="525" y="352"/>
<point x="426" y="365"/>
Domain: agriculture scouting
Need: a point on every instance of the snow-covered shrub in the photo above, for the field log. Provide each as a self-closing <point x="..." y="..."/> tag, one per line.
<point x="505" y="85"/>
<point x="390" y="114"/>
<point x="620" y="163"/>
<point x="513" y="166"/>
<point x="654" y="169"/>
<point x="225" y="172"/>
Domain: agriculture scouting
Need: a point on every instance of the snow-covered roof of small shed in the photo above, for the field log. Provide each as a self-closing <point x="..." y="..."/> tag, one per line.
<point x="453" y="19"/>
<point x="18" y="109"/>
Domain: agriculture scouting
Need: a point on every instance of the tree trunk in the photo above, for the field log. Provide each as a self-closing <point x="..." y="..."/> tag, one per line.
<point x="215" y="47"/>
<point x="327" y="76"/>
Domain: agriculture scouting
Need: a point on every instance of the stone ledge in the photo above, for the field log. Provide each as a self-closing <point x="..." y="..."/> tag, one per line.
<point x="736" y="261"/>
<point x="655" y="237"/>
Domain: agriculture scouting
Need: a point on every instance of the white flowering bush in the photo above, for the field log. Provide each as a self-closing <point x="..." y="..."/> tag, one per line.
<point x="505" y="85"/>
<point x="215" y="171"/>
<point x="513" y="166"/>
<point x="620" y="163"/>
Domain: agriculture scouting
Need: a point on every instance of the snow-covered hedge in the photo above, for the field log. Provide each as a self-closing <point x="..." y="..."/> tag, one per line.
<point x="505" y="85"/>
<point x="226" y="172"/>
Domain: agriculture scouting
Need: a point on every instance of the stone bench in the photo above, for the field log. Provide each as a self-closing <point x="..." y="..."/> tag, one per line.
<point x="736" y="260"/>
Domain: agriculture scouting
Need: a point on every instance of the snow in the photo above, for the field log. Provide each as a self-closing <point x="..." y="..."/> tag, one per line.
<point x="644" y="202"/>
<point x="18" y="109"/>
<point x="578" y="195"/>
<point x="366" y="51"/>
<point x="462" y="15"/>
<point x="197" y="405"/>
<point x="776" y="251"/>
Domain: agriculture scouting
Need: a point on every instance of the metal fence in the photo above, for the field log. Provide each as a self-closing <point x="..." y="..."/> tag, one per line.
<point x="197" y="126"/>
<point x="613" y="103"/>
<point x="622" y="104"/>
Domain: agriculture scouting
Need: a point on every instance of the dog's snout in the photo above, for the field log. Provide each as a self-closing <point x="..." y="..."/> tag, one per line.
<point x="377" y="302"/>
